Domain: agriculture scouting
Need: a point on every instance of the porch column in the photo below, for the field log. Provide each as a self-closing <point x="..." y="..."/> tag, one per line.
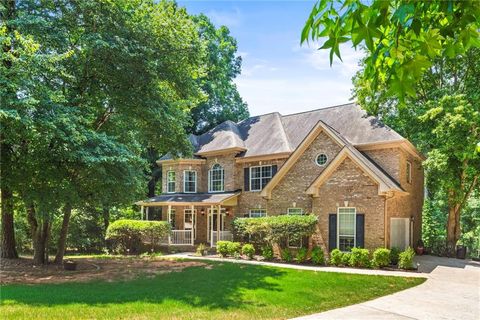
<point x="148" y="210"/>
<point x="193" y="221"/>
<point x="218" y="222"/>
<point x="141" y="211"/>
<point x="169" y="221"/>
<point x="210" y="223"/>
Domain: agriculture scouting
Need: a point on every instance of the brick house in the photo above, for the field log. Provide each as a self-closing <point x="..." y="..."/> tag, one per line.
<point x="362" y="179"/>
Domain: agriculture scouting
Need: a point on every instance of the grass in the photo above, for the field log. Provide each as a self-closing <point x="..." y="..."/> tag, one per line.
<point x="218" y="291"/>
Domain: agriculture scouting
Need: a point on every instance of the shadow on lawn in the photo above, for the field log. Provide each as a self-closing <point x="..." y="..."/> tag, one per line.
<point x="215" y="286"/>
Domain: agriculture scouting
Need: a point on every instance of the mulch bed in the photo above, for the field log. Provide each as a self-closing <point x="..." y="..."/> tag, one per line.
<point x="22" y="270"/>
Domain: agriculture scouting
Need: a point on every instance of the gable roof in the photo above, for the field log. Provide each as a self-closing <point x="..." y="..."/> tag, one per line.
<point x="274" y="133"/>
<point x="386" y="183"/>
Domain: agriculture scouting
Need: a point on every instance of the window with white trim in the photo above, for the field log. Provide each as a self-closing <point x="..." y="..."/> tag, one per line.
<point x="216" y="178"/>
<point x="257" y="213"/>
<point x="346" y="225"/>
<point x="190" y="181"/>
<point x="295" y="211"/>
<point x="170" y="181"/>
<point x="321" y="159"/>
<point x="259" y="177"/>
<point x="409" y="172"/>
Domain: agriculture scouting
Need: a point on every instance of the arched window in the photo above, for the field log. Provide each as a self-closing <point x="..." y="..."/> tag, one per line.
<point x="216" y="178"/>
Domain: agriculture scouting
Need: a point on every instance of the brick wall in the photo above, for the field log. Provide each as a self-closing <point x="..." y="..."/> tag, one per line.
<point x="388" y="159"/>
<point x="350" y="186"/>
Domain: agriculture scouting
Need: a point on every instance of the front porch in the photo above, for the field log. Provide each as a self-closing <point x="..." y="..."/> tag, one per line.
<point x="195" y="218"/>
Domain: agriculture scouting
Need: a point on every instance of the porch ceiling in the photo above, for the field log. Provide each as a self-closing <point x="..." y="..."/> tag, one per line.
<point x="189" y="199"/>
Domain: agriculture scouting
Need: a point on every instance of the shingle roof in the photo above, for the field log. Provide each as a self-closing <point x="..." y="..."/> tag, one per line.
<point x="205" y="198"/>
<point x="273" y="133"/>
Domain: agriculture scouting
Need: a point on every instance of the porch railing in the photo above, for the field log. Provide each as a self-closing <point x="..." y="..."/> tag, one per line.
<point x="224" y="236"/>
<point x="181" y="237"/>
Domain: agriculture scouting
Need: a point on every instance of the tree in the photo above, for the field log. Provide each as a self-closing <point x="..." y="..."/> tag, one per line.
<point x="401" y="38"/>
<point x="222" y="66"/>
<point x="114" y="76"/>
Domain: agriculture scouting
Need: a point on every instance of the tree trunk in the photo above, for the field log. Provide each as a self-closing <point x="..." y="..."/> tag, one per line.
<point x="40" y="232"/>
<point x="67" y="212"/>
<point x="106" y="217"/>
<point x="8" y="249"/>
<point x="452" y="226"/>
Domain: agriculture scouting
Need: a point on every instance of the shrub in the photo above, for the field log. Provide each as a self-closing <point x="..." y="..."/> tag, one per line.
<point x="359" y="258"/>
<point x="267" y="253"/>
<point x="381" y="258"/>
<point x="302" y="255"/>
<point x="405" y="259"/>
<point x="222" y="247"/>
<point x="201" y="249"/>
<point x="317" y="256"/>
<point x="346" y="259"/>
<point x="336" y="257"/>
<point x="286" y="255"/>
<point x="248" y="250"/>
<point x="234" y="249"/>
<point x="127" y="236"/>
<point x="274" y="229"/>
<point x="394" y="252"/>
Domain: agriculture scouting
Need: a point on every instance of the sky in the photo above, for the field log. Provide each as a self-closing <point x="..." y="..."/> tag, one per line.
<point x="279" y="74"/>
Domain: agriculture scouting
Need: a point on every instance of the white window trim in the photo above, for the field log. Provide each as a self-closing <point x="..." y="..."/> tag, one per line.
<point x="184" y="181"/>
<point x="210" y="178"/>
<point x="354" y="225"/>
<point x="250" y="212"/>
<point x="294" y="214"/>
<point x="174" y="180"/>
<point x="250" y="176"/>
<point x="409" y="172"/>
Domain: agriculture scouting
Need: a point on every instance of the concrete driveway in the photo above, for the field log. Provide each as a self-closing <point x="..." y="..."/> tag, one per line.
<point x="452" y="291"/>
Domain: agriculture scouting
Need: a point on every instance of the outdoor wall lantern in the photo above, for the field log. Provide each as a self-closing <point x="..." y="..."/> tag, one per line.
<point x="202" y="212"/>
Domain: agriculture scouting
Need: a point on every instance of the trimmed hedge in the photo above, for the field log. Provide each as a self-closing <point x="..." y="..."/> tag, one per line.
<point x="127" y="236"/>
<point x="248" y="250"/>
<point x="302" y="255"/>
<point x="336" y="257"/>
<point x="405" y="259"/>
<point x="228" y="248"/>
<point x="275" y="229"/>
<point x="318" y="256"/>
<point x="381" y="258"/>
<point x="360" y="258"/>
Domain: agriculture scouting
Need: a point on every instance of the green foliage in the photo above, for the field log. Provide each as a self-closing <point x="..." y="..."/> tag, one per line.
<point x="394" y="255"/>
<point x="346" y="259"/>
<point x="223" y="248"/>
<point x="401" y="38"/>
<point x="286" y="255"/>
<point x="336" y="257"/>
<point x="317" y="256"/>
<point x="302" y="255"/>
<point x="267" y="253"/>
<point x="234" y="248"/>
<point x="405" y="259"/>
<point x="201" y="249"/>
<point x="275" y="229"/>
<point x="359" y="258"/>
<point x="381" y="258"/>
<point x="127" y="236"/>
<point x="248" y="250"/>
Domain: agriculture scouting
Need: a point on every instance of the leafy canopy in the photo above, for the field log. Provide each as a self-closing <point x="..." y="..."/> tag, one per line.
<point x="401" y="38"/>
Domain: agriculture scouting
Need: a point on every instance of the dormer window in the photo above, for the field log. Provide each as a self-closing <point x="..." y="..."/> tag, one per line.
<point x="216" y="178"/>
<point x="189" y="181"/>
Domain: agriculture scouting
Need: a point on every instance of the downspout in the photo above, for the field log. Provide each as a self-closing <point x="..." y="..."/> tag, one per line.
<point x="385" y="218"/>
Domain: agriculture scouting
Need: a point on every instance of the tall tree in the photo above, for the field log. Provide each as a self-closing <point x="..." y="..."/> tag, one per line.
<point x="222" y="66"/>
<point x="121" y="75"/>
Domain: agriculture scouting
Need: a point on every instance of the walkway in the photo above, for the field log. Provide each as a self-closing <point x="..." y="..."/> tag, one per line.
<point x="452" y="291"/>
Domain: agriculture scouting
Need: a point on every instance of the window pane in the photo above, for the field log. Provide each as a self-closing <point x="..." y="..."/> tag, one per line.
<point x="346" y="243"/>
<point x="346" y="224"/>
<point x="295" y="211"/>
<point x="255" y="172"/>
<point x="257" y="213"/>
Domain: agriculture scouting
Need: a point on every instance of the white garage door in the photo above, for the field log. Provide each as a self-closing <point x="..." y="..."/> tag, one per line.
<point x="399" y="233"/>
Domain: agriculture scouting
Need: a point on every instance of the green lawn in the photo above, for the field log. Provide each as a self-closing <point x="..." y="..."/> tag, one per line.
<point x="220" y="291"/>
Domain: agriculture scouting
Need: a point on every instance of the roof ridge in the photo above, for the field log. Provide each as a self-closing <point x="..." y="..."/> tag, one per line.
<point x="320" y="109"/>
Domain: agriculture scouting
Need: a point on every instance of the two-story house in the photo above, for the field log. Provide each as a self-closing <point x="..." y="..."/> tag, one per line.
<point x="362" y="179"/>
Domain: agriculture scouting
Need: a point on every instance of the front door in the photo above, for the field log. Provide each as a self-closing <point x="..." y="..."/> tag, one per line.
<point x="212" y="221"/>
<point x="190" y="221"/>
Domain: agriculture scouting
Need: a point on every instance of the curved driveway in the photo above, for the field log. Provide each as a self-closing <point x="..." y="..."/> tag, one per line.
<point x="452" y="291"/>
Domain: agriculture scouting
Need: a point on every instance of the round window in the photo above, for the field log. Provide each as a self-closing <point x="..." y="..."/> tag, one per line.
<point x="321" y="159"/>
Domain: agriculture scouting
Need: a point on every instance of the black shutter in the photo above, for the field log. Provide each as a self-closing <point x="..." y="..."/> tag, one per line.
<point x="360" y="232"/>
<point x="246" y="178"/>
<point x="274" y="169"/>
<point x="332" y="231"/>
